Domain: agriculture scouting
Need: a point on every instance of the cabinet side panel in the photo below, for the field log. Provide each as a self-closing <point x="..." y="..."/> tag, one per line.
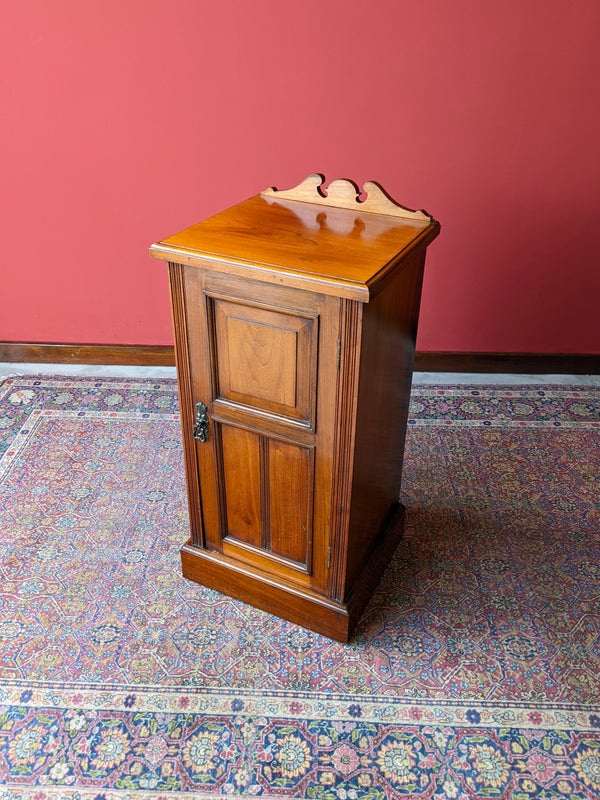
<point x="290" y="496"/>
<point x="386" y="361"/>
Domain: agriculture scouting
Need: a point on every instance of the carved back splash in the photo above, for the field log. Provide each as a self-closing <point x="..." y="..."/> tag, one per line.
<point x="344" y="193"/>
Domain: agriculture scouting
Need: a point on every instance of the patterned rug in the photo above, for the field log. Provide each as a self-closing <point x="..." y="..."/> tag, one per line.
<point x="475" y="671"/>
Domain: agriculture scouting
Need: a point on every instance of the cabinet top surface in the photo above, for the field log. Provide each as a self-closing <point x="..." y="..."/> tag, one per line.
<point x="336" y="247"/>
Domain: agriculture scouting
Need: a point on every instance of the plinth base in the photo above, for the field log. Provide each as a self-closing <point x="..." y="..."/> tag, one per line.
<point x="309" y="609"/>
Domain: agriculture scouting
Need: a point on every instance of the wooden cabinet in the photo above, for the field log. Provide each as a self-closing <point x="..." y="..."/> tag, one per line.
<point x="295" y="317"/>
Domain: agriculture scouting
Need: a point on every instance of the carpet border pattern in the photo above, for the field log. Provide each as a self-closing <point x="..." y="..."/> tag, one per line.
<point x="84" y="741"/>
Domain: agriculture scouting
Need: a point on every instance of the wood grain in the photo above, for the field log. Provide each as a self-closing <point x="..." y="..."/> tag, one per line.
<point x="345" y="194"/>
<point x="301" y="252"/>
<point x="267" y="591"/>
<point x="291" y="490"/>
<point x="186" y="410"/>
<point x="389" y="326"/>
<point x="345" y="432"/>
<point x="240" y="461"/>
<point x="264" y="358"/>
<point x="264" y="476"/>
<point x="306" y="385"/>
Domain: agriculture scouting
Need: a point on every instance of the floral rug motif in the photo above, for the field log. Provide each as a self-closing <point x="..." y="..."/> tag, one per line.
<point x="475" y="671"/>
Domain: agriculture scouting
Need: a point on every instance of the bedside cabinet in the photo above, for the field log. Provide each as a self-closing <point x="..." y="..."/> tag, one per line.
<point x="295" y="316"/>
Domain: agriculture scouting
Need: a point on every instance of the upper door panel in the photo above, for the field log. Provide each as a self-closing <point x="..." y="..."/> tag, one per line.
<point x="264" y="359"/>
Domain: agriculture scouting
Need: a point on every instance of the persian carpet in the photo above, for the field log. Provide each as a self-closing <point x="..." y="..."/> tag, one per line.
<point x="475" y="671"/>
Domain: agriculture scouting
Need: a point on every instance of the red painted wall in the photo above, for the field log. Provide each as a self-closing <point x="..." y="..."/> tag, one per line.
<point x="126" y="120"/>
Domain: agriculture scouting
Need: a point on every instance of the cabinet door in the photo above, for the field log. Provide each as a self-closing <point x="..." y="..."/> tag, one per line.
<point x="262" y="360"/>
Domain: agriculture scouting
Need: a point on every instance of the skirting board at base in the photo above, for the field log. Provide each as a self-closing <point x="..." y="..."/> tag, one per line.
<point x="425" y="361"/>
<point x="509" y="363"/>
<point x="105" y="354"/>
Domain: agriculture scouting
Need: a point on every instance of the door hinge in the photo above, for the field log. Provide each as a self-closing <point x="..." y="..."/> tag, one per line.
<point x="339" y="353"/>
<point x="328" y="557"/>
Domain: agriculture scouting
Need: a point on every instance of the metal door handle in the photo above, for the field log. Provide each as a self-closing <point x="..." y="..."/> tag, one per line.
<point x="201" y="423"/>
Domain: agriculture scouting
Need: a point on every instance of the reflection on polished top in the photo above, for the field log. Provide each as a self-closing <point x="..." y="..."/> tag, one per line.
<point x="347" y="250"/>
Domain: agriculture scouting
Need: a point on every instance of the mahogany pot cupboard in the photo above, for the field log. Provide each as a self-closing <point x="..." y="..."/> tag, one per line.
<point x="295" y="316"/>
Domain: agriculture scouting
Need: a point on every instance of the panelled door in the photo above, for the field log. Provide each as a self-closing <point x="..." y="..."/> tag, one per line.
<point x="264" y="379"/>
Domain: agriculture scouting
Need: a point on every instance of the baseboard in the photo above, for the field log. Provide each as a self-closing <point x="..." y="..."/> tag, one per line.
<point x="520" y="363"/>
<point x="425" y="361"/>
<point x="125" y="354"/>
